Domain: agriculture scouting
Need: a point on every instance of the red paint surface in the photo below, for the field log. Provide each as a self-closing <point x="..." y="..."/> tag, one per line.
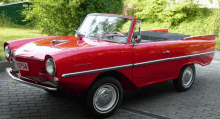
<point x="87" y="54"/>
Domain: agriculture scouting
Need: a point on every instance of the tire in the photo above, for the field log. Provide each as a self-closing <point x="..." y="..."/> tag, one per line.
<point x="55" y="93"/>
<point x="186" y="78"/>
<point x="104" y="97"/>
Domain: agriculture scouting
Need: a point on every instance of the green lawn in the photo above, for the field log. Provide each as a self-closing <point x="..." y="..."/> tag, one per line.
<point x="8" y="34"/>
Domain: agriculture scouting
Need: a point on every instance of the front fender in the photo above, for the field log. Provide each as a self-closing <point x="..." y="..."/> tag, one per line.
<point x="20" y="42"/>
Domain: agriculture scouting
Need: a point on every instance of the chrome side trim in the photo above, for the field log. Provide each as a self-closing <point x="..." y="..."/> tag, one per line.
<point x="151" y="62"/>
<point x="173" y="58"/>
<point x="96" y="70"/>
<point x="188" y="56"/>
<point x="132" y="65"/>
<point x="28" y="83"/>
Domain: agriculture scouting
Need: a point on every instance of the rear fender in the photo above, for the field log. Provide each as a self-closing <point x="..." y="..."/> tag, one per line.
<point x="202" y="37"/>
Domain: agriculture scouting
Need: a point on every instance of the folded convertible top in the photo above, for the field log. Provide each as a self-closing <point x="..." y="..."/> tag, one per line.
<point x="148" y="35"/>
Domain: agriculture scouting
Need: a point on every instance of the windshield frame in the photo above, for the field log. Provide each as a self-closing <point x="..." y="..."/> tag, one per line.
<point x="111" y="15"/>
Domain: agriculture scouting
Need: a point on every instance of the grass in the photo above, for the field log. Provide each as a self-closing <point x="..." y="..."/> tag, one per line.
<point x="8" y="34"/>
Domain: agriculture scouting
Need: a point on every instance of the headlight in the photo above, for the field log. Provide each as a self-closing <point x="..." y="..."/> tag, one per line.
<point x="8" y="51"/>
<point x="50" y="66"/>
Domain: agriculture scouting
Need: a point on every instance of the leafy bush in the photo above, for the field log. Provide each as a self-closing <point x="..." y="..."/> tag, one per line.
<point x="217" y="29"/>
<point x="163" y="11"/>
<point x="56" y="17"/>
<point x="129" y="9"/>
<point x="199" y="26"/>
<point x="4" y="20"/>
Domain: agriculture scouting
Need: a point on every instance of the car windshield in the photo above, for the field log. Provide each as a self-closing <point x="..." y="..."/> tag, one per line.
<point x="108" y="28"/>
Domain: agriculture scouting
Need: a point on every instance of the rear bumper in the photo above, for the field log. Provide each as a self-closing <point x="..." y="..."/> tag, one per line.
<point x="25" y="80"/>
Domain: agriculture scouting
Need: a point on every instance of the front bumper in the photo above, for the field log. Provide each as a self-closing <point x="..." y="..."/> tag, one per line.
<point x="30" y="82"/>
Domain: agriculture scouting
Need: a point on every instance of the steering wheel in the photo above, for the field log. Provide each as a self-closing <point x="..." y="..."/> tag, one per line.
<point x="118" y="33"/>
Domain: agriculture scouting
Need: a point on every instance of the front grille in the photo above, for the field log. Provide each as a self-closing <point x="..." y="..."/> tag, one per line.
<point x="42" y="80"/>
<point x="34" y="66"/>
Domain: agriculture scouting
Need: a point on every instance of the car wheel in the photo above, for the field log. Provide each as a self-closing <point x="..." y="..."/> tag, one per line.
<point x="104" y="97"/>
<point x="186" y="78"/>
<point x="55" y="93"/>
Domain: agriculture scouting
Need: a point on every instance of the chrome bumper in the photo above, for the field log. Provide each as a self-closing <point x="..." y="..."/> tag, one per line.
<point x="8" y="70"/>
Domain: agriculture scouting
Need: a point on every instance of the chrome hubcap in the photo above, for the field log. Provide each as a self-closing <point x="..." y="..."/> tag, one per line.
<point x="187" y="77"/>
<point x="105" y="98"/>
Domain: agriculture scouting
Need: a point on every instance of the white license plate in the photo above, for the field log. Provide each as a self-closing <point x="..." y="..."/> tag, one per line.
<point x="22" y="66"/>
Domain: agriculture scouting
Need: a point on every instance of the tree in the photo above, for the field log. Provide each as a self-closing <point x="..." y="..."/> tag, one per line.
<point x="160" y="10"/>
<point x="9" y="1"/>
<point x="64" y="16"/>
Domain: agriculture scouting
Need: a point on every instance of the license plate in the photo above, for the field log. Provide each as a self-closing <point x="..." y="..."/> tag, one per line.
<point x="22" y="66"/>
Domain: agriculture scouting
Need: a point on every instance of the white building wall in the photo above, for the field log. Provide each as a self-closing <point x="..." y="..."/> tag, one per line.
<point x="205" y="3"/>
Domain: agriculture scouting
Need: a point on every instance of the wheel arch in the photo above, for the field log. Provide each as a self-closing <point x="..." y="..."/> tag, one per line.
<point x="126" y="83"/>
<point x="187" y="64"/>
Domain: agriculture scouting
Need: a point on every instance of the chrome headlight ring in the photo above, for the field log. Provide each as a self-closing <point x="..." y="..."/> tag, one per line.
<point x="8" y="52"/>
<point x="50" y="66"/>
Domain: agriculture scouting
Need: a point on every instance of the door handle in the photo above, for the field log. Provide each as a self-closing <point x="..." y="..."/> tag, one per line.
<point x="166" y="51"/>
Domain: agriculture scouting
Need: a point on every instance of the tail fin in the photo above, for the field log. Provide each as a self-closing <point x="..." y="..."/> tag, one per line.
<point x="159" y="30"/>
<point x="204" y="37"/>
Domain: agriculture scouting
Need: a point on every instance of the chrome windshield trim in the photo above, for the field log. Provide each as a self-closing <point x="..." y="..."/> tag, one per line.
<point x="132" y="65"/>
<point x="96" y="70"/>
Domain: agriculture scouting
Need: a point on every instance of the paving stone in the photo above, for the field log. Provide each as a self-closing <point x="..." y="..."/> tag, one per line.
<point x="20" y="115"/>
<point x="5" y="116"/>
<point x="201" y="101"/>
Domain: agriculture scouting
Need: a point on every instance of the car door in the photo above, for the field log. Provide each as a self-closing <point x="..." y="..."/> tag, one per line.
<point x="151" y="62"/>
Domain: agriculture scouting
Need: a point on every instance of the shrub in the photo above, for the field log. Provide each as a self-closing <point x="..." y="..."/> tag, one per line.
<point x="217" y="28"/>
<point x="56" y="17"/>
<point x="163" y="11"/>
<point x="4" y="20"/>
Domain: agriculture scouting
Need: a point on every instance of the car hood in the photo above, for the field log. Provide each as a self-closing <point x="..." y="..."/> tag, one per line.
<point x="40" y="48"/>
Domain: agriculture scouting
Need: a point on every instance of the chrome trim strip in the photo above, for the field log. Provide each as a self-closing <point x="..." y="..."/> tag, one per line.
<point x="28" y="83"/>
<point x="151" y="62"/>
<point x="96" y="70"/>
<point x="132" y="65"/>
<point x="187" y="56"/>
<point x="173" y="58"/>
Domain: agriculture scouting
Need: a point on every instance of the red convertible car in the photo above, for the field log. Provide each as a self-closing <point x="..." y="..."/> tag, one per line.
<point x="108" y="54"/>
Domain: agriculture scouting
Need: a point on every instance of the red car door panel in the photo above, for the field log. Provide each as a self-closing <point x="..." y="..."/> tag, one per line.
<point x="150" y="60"/>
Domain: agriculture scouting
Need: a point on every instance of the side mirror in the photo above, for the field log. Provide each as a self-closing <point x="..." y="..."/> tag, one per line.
<point x="137" y="39"/>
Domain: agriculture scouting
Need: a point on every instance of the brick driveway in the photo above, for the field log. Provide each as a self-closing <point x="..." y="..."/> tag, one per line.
<point x="22" y="101"/>
<point x="201" y="101"/>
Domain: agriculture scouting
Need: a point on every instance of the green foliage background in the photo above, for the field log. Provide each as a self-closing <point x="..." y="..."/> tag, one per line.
<point x="61" y="17"/>
<point x="9" y="1"/>
<point x="183" y="17"/>
<point x="56" y="17"/>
